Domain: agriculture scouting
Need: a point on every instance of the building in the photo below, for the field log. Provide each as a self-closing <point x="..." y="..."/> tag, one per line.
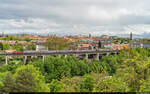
<point x="120" y="46"/>
<point x="138" y="45"/>
<point x="145" y="45"/>
<point x="85" y="47"/>
<point x="41" y="47"/>
<point x="105" y="36"/>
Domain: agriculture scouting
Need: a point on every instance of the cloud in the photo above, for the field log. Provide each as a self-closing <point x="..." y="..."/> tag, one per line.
<point x="74" y="16"/>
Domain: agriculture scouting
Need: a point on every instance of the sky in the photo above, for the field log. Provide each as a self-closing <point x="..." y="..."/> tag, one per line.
<point x="73" y="17"/>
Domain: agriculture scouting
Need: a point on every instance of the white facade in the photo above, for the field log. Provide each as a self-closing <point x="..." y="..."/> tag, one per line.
<point x="41" y="47"/>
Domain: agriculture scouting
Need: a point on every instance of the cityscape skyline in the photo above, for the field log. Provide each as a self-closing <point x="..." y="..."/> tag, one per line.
<point x="70" y="17"/>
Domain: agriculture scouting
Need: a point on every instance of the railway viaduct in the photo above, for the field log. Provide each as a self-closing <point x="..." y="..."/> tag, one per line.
<point x="85" y="53"/>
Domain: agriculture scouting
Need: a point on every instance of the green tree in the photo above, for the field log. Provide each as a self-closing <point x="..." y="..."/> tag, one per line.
<point x="11" y="38"/>
<point x="145" y="87"/>
<point x="1" y="87"/>
<point x="11" y="68"/>
<point x="27" y="39"/>
<point x="57" y="43"/>
<point x="18" y="47"/>
<point x="6" y="46"/>
<point x="56" y="86"/>
<point x="31" y="47"/>
<point x="1" y="46"/>
<point x="9" y="83"/>
<point x="56" y="67"/>
<point x="99" y="44"/>
<point x="29" y="79"/>
<point x="2" y="77"/>
<point x="87" y="84"/>
<point x="110" y="84"/>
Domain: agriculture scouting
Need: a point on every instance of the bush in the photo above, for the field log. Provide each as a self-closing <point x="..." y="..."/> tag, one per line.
<point x="87" y="84"/>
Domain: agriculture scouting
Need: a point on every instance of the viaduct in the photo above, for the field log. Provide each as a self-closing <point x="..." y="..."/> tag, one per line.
<point x="86" y="53"/>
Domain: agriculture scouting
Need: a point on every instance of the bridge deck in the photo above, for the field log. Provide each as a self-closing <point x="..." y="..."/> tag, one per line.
<point x="39" y="53"/>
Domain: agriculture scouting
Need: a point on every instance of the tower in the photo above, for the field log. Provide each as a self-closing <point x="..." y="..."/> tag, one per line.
<point x="131" y="36"/>
<point x="89" y="35"/>
<point x="131" y="40"/>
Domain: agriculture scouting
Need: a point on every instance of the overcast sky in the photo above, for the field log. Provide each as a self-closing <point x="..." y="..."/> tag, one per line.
<point x="63" y="17"/>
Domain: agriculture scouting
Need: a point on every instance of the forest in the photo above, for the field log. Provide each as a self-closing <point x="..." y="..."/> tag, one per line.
<point x="127" y="71"/>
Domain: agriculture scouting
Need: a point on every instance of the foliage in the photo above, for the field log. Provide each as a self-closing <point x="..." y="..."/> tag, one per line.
<point x="31" y="47"/>
<point x="1" y="46"/>
<point x="2" y="77"/>
<point x="29" y="79"/>
<point x="18" y="47"/>
<point x="127" y="71"/>
<point x="99" y="44"/>
<point x="56" y="86"/>
<point x="145" y="87"/>
<point x="5" y="46"/>
<point x="110" y="84"/>
<point x="120" y="40"/>
<point x="57" y="43"/>
<point x="9" y="83"/>
<point x="11" y="68"/>
<point x="146" y="41"/>
<point x="28" y="39"/>
<point x="2" y="58"/>
<point x="56" y="67"/>
<point x="87" y="84"/>
<point x="11" y="38"/>
<point x="26" y="79"/>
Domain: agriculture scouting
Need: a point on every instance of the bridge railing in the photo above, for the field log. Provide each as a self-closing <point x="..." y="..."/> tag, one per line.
<point x="60" y="52"/>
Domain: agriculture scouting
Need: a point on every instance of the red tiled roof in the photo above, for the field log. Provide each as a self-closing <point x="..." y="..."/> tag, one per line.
<point x="85" y="45"/>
